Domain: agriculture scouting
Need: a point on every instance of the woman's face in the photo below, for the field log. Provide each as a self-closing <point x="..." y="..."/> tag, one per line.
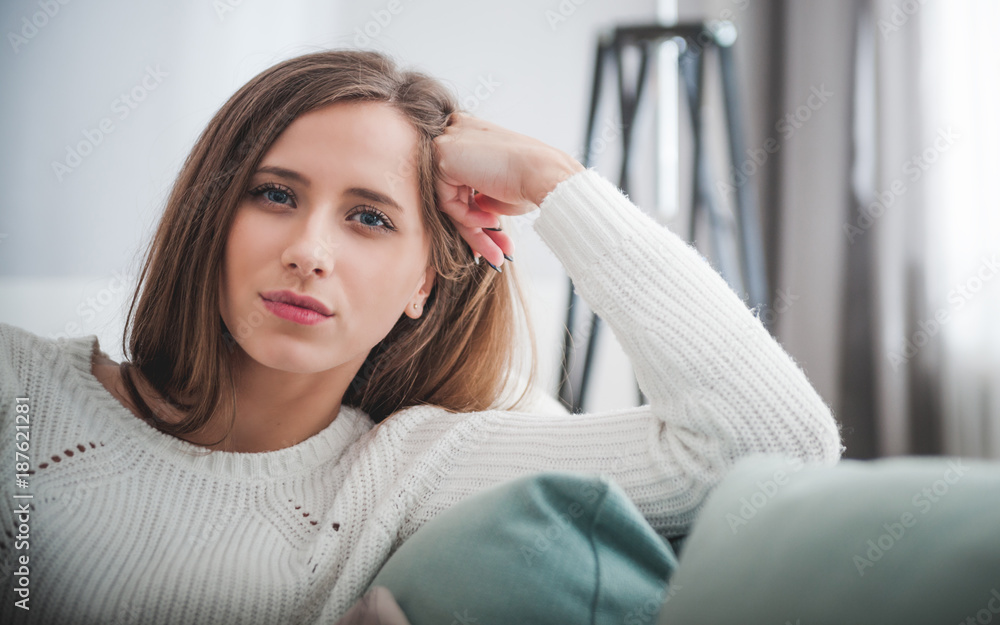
<point x="332" y="213"/>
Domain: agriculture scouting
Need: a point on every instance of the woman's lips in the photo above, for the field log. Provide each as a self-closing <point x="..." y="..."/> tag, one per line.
<point x="297" y="299"/>
<point x="297" y="314"/>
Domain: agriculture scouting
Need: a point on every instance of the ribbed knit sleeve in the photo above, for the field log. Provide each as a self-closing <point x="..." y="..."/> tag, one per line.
<point x="719" y="386"/>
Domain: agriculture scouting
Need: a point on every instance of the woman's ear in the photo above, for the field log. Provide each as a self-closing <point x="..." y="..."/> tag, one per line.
<point x="416" y="306"/>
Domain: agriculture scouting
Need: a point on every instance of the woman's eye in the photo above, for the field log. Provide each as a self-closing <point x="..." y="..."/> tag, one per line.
<point x="368" y="216"/>
<point x="277" y="196"/>
<point x="371" y="218"/>
<point x="274" y="194"/>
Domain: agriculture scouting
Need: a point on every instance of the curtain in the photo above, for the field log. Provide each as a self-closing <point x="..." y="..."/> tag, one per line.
<point x="884" y="218"/>
<point x="961" y="83"/>
<point x="894" y="215"/>
<point x="934" y="217"/>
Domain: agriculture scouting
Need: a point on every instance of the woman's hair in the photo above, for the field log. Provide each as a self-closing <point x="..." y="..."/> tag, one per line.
<point x="463" y="354"/>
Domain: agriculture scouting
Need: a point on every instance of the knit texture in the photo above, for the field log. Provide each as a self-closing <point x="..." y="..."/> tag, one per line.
<point x="130" y="525"/>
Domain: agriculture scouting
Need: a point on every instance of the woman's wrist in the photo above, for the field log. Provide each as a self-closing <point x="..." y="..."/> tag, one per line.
<point x="551" y="173"/>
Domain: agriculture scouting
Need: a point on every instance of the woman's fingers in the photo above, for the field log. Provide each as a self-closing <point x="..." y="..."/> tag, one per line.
<point x="502" y="241"/>
<point x="470" y="220"/>
<point x="495" y="160"/>
<point x="503" y="165"/>
<point x="454" y="201"/>
<point x="496" y="207"/>
<point x="490" y="244"/>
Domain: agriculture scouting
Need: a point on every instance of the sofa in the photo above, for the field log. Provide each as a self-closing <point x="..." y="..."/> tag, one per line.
<point x="903" y="540"/>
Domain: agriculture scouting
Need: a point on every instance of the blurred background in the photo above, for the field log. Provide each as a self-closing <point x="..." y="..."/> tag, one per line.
<point x="867" y="150"/>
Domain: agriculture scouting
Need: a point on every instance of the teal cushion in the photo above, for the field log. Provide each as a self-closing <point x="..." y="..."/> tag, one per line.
<point x="905" y="540"/>
<point x="547" y="548"/>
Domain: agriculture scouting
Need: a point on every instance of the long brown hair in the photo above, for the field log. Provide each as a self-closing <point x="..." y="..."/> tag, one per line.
<point x="464" y="352"/>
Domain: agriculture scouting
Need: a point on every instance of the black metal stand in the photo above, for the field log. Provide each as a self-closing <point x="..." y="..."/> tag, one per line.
<point x="694" y="40"/>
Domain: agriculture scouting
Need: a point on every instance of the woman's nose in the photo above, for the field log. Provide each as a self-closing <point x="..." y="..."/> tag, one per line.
<point x="311" y="252"/>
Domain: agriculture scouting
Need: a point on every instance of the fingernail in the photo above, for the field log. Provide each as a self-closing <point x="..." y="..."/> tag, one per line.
<point x="508" y="258"/>
<point x="494" y="229"/>
<point x="494" y="266"/>
<point x="477" y="259"/>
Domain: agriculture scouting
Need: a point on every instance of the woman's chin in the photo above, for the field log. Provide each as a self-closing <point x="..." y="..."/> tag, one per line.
<point x="290" y="355"/>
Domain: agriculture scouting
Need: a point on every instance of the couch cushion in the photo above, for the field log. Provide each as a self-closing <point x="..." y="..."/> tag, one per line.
<point x="548" y="548"/>
<point x="902" y="540"/>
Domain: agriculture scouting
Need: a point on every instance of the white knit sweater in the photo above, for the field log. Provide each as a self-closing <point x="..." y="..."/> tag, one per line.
<point x="130" y="525"/>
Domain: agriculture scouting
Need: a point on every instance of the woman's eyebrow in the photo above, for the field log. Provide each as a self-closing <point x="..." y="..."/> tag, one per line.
<point x="375" y="196"/>
<point x="368" y="194"/>
<point x="284" y="173"/>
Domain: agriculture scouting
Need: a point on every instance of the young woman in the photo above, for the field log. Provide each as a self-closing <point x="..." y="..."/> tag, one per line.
<point x="319" y="364"/>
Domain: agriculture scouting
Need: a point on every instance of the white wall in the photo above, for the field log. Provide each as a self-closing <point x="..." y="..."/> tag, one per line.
<point x="71" y="242"/>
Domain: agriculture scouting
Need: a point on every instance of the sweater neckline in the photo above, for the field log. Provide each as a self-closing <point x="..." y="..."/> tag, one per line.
<point x="125" y="429"/>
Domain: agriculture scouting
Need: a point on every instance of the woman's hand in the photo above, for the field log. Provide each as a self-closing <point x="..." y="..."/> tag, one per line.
<point x="511" y="174"/>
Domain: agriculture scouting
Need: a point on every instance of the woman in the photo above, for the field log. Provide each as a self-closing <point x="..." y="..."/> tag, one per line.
<point x="319" y="365"/>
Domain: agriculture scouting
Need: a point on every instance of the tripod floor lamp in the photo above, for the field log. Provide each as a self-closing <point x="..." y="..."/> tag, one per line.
<point x="696" y="41"/>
